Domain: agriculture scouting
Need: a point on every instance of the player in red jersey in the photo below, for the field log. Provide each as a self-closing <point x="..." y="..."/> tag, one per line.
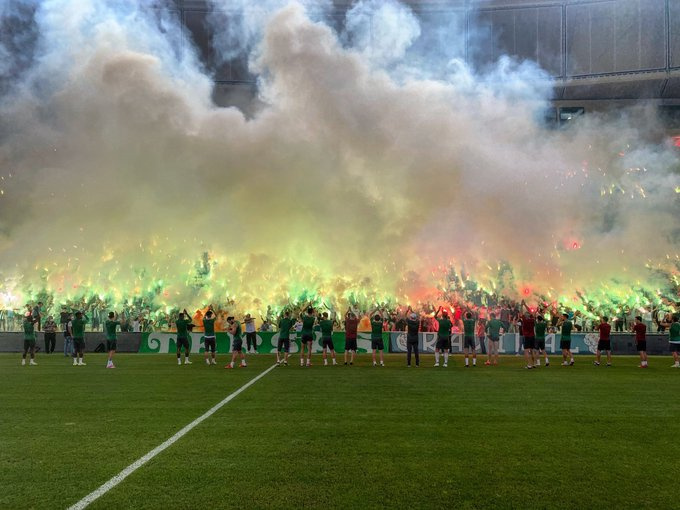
<point x="640" y="330"/>
<point x="604" y="343"/>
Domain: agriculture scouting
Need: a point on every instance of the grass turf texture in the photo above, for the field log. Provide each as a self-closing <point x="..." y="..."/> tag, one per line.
<point x="350" y="437"/>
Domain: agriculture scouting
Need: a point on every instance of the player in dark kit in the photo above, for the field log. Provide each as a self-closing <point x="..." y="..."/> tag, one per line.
<point x="183" y="323"/>
<point x="377" y="343"/>
<point x="308" y="321"/>
<point x="285" y="325"/>
<point x="111" y="340"/>
<point x="640" y="330"/>
<point x="78" y="328"/>
<point x="351" y="325"/>
<point x="565" y="340"/>
<point x="529" y="335"/>
<point x="327" y="338"/>
<point x="209" y="340"/>
<point x="604" y="343"/>
<point x="29" y="338"/>
<point x="412" y="328"/>
<point x="237" y="346"/>
<point x="469" y="347"/>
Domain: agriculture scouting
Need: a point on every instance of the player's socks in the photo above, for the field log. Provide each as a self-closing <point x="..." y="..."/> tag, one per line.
<point x="75" y="362"/>
<point x="335" y="362"/>
<point x="325" y="363"/>
<point x="309" y="362"/>
<point x="547" y="361"/>
<point x="32" y="362"/>
<point x="186" y="361"/>
<point x="213" y="361"/>
<point x="474" y="362"/>
<point x="436" y="359"/>
<point x="467" y="361"/>
<point x="572" y="361"/>
<point x="382" y="364"/>
<point x="81" y="362"/>
<point x="23" y="361"/>
<point x="676" y="364"/>
<point x="207" y="361"/>
<point x="538" y="362"/>
<point x="375" y="364"/>
<point x="179" y="361"/>
<point x="446" y="358"/>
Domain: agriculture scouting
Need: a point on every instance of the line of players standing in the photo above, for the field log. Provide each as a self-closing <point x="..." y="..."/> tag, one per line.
<point x="533" y="329"/>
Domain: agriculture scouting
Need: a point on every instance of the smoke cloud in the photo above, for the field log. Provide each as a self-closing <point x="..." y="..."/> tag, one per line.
<point x="362" y="178"/>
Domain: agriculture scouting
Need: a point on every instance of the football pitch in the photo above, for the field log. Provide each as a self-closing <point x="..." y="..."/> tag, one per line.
<point x="340" y="437"/>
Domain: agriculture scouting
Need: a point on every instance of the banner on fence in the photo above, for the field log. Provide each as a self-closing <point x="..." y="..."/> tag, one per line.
<point x="266" y="342"/>
<point x="395" y="341"/>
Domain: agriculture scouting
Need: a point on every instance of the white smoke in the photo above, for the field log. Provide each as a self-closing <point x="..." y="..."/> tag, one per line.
<point x="350" y="179"/>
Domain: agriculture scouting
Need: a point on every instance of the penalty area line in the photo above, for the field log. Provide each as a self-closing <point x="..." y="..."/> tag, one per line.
<point x="83" y="503"/>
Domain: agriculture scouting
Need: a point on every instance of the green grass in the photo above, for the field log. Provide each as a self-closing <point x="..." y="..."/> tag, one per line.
<point x="342" y="437"/>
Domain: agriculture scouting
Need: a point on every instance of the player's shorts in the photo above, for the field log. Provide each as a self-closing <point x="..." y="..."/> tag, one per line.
<point x="604" y="345"/>
<point x="351" y="344"/>
<point x="443" y="343"/>
<point x="183" y="342"/>
<point x="529" y="342"/>
<point x="111" y="345"/>
<point x="539" y="344"/>
<point x="675" y="347"/>
<point x="209" y="343"/>
<point x="377" y="344"/>
<point x="29" y="344"/>
<point x="307" y="338"/>
<point x="237" y="346"/>
<point x="327" y="343"/>
<point x="78" y="344"/>
<point x="283" y="343"/>
<point x="565" y="344"/>
<point x="412" y="339"/>
<point x="642" y="346"/>
<point x="468" y="342"/>
<point x="494" y="339"/>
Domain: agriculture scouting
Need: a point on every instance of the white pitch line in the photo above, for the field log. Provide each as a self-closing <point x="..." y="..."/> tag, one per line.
<point x="146" y="458"/>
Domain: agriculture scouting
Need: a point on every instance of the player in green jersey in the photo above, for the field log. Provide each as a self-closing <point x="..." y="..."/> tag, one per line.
<point x="565" y="340"/>
<point x="469" y="347"/>
<point x="29" y="338"/>
<point x="494" y="327"/>
<point x="209" y="342"/>
<point x="308" y="321"/>
<point x="285" y="325"/>
<point x="674" y="339"/>
<point x="443" y="338"/>
<point x="111" y="340"/>
<point x="540" y="328"/>
<point x="237" y="345"/>
<point x="183" y="324"/>
<point x="326" y="325"/>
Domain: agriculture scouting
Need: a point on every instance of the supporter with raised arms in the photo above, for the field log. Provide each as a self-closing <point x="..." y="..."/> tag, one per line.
<point x="494" y="327"/>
